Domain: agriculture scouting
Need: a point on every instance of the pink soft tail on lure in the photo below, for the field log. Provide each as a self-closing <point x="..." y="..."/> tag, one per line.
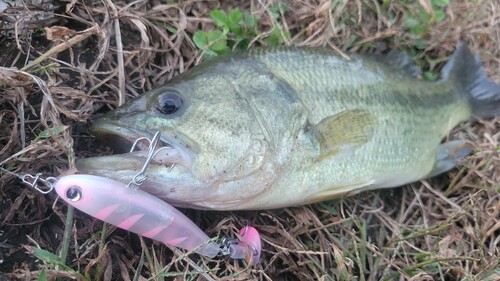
<point x="134" y="210"/>
<point x="249" y="248"/>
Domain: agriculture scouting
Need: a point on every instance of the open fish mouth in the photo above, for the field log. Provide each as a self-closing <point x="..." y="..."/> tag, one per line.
<point x="123" y="139"/>
<point x="168" y="173"/>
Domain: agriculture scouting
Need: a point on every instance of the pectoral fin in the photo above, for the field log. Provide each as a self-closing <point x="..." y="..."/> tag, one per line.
<point x="343" y="132"/>
<point x="447" y="156"/>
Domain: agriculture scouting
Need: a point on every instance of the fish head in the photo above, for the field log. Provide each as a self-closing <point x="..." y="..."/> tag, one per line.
<point x="219" y="146"/>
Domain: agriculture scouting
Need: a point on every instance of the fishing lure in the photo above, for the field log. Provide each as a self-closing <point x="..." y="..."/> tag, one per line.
<point x="142" y="213"/>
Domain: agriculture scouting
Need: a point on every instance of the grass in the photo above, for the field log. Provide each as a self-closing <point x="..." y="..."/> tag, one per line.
<point x="99" y="56"/>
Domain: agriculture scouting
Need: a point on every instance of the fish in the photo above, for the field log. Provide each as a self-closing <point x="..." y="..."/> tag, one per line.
<point x="288" y="126"/>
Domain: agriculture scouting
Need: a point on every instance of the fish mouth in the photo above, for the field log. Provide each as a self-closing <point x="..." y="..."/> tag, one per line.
<point x="167" y="152"/>
<point x="168" y="174"/>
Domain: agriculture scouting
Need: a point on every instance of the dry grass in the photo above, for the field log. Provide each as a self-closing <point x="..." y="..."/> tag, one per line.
<point x="64" y="62"/>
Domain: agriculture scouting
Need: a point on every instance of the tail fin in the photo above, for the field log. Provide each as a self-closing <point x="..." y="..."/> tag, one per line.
<point x="465" y="70"/>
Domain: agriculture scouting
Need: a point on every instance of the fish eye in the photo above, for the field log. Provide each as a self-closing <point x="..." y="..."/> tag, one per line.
<point x="74" y="193"/>
<point x="169" y="102"/>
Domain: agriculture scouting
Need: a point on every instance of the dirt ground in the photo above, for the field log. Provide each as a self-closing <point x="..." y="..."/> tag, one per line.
<point x="64" y="63"/>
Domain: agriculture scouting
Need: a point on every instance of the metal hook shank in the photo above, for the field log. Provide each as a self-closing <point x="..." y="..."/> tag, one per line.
<point x="141" y="176"/>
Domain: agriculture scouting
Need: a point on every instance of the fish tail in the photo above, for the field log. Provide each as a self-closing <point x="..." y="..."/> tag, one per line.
<point x="465" y="70"/>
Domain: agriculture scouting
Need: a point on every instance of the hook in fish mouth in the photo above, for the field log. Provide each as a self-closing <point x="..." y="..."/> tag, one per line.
<point x="166" y="172"/>
<point x="123" y="139"/>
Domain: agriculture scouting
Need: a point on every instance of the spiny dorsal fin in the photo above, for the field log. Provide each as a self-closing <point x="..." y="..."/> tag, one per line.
<point x="401" y="61"/>
<point x="342" y="132"/>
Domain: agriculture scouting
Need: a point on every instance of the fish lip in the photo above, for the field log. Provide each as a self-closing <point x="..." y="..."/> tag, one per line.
<point x="122" y="138"/>
<point x="119" y="137"/>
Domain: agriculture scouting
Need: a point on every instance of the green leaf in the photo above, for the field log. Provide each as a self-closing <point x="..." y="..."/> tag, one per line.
<point x="385" y="4"/>
<point x="45" y="256"/>
<point x="215" y="35"/>
<point x="225" y="30"/>
<point x="235" y="16"/>
<point x="423" y="15"/>
<point x="431" y="76"/>
<point x="42" y="276"/>
<point x="219" y="46"/>
<point x="410" y="22"/>
<point x="50" y="132"/>
<point x="440" y="3"/>
<point x="171" y="29"/>
<point x="165" y="26"/>
<point x="217" y="41"/>
<point x="220" y="17"/>
<point x="51" y="259"/>
<point x="420" y="43"/>
<point x="249" y="20"/>
<point x="239" y="32"/>
<point x="419" y="29"/>
<point x="242" y="44"/>
<point x="233" y="22"/>
<point x="440" y="16"/>
<point x="275" y="38"/>
<point x="200" y="39"/>
<point x="274" y="11"/>
<point x="209" y="54"/>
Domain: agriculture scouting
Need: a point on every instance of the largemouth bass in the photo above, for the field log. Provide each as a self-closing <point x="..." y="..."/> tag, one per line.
<point x="283" y="127"/>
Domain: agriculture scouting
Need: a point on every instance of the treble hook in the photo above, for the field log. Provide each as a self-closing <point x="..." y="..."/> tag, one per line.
<point x="141" y="176"/>
<point x="249" y="248"/>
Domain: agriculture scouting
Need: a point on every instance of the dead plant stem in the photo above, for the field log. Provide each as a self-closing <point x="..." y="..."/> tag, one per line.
<point x="63" y="46"/>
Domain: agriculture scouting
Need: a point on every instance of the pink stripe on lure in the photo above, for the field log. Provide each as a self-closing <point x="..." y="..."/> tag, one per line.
<point x="135" y="211"/>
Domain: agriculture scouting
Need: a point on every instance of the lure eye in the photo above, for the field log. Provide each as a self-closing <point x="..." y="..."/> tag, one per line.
<point x="169" y="103"/>
<point x="74" y="193"/>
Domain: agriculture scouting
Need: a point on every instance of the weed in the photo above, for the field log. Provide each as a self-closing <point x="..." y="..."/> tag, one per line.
<point x="421" y="21"/>
<point x="51" y="260"/>
<point x="236" y="30"/>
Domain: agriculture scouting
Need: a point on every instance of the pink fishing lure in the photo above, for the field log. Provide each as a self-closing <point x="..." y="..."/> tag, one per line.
<point x="134" y="210"/>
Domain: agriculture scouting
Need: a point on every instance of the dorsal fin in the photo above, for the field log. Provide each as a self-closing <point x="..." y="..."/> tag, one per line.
<point x="398" y="61"/>
<point x="343" y="132"/>
<point x="401" y="61"/>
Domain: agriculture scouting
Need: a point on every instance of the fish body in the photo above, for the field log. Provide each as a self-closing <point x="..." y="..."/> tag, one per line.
<point x="283" y="127"/>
